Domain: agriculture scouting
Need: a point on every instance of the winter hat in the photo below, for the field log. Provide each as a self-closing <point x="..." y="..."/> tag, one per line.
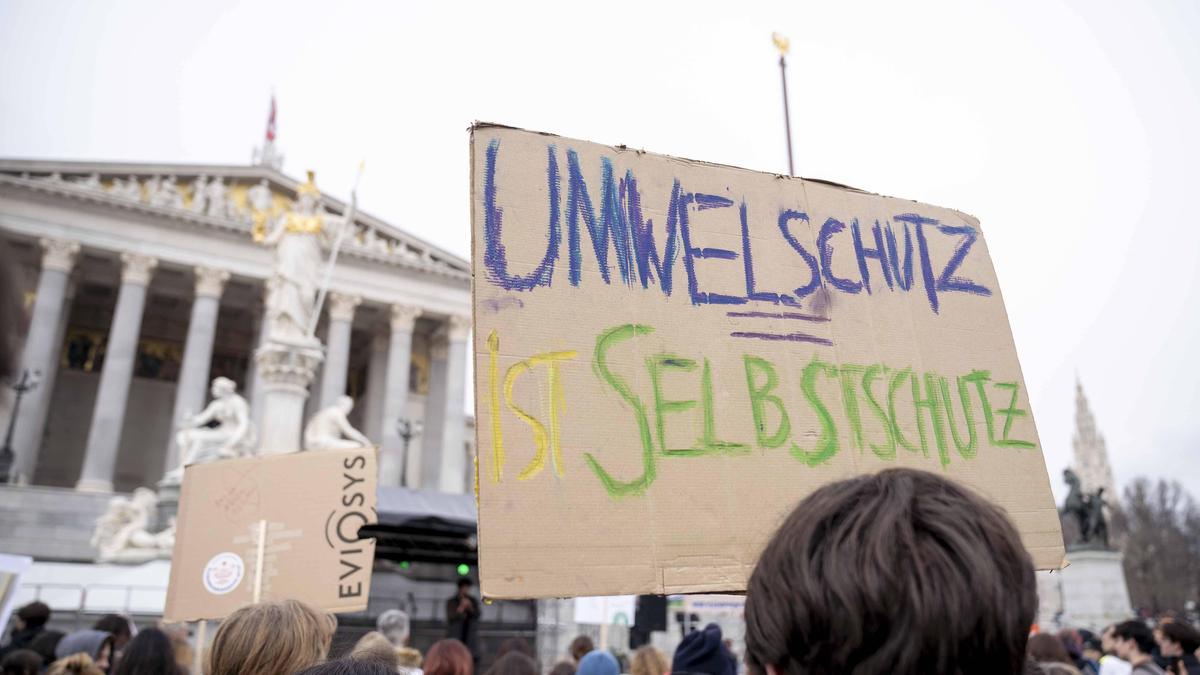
<point x="598" y="662"/>
<point x="84" y="641"/>
<point x="703" y="652"/>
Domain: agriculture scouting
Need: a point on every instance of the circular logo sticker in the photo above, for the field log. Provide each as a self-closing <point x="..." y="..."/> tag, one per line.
<point x="223" y="573"/>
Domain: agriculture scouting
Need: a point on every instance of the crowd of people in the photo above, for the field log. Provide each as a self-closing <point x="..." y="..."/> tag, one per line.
<point x="900" y="572"/>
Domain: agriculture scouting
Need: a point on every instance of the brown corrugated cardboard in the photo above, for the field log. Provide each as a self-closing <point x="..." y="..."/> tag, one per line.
<point x="670" y="354"/>
<point x="308" y="505"/>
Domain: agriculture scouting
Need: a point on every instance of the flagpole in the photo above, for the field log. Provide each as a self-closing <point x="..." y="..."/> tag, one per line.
<point x="781" y="43"/>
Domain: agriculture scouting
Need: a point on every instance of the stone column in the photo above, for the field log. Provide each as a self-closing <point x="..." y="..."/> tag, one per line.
<point x="104" y="437"/>
<point x="255" y="394"/>
<point x="435" y="412"/>
<point x="197" y="353"/>
<point x="337" y="350"/>
<point x="395" y="396"/>
<point x="452" y="463"/>
<point x="42" y="351"/>
<point x="376" y="384"/>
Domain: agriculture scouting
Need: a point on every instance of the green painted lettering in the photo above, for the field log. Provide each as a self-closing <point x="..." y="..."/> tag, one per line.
<point x="760" y="397"/>
<point x="662" y="407"/>
<point x="1009" y="413"/>
<point x="966" y="450"/>
<point x="887" y="451"/>
<point x="827" y="444"/>
<point x="893" y="386"/>
<point x="850" y="373"/>
<point x="709" y="441"/>
<point x="604" y="342"/>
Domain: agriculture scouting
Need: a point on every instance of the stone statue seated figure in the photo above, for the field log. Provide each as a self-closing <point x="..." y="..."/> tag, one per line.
<point x="232" y="436"/>
<point x="122" y="533"/>
<point x="330" y="429"/>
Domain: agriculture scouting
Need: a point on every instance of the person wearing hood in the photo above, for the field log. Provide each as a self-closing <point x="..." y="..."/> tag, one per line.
<point x="704" y="652"/>
<point x="598" y="662"/>
<point x="97" y="644"/>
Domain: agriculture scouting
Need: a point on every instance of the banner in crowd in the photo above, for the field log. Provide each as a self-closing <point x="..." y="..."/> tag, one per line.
<point x="669" y="355"/>
<point x="272" y="528"/>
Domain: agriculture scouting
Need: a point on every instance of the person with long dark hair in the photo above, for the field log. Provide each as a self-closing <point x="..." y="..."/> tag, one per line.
<point x="149" y="653"/>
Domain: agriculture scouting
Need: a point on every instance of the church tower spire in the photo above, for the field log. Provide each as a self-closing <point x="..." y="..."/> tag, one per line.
<point x="1091" y="455"/>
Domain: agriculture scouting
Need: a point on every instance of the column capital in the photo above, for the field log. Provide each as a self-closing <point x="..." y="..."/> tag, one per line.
<point x="58" y="254"/>
<point x="210" y="282"/>
<point x="458" y="327"/>
<point x="137" y="268"/>
<point x="403" y="317"/>
<point x="342" y="305"/>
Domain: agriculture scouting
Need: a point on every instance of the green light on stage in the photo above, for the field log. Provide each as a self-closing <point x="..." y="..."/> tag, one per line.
<point x="463" y="570"/>
<point x="405" y="565"/>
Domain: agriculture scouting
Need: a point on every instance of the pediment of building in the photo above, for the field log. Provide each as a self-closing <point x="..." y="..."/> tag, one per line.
<point x="222" y="197"/>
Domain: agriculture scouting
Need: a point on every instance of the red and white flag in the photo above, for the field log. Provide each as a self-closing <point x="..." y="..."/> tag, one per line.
<point x="271" y="122"/>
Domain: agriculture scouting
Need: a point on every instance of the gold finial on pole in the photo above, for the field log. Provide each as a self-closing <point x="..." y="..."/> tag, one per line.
<point x="781" y="43"/>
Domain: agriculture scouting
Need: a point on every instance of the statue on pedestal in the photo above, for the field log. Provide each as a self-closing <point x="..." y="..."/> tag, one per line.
<point x="298" y="237"/>
<point x="199" y="194"/>
<point x="218" y="206"/>
<point x="122" y="533"/>
<point x="233" y="435"/>
<point x="330" y="429"/>
<point x="1087" y="510"/>
<point x="167" y="194"/>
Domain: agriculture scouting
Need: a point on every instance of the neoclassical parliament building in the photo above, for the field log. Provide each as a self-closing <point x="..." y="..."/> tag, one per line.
<point x="144" y="282"/>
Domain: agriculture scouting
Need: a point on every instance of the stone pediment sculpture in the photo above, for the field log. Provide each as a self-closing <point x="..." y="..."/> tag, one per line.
<point x="235" y="199"/>
<point x="223" y="430"/>
<point x="330" y="429"/>
<point x="1087" y="512"/>
<point x="122" y="534"/>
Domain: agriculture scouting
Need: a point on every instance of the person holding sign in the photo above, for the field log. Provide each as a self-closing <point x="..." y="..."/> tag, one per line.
<point x="900" y="572"/>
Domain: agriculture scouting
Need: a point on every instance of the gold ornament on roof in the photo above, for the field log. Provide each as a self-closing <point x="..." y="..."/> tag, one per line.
<point x="781" y="43"/>
<point x="310" y="187"/>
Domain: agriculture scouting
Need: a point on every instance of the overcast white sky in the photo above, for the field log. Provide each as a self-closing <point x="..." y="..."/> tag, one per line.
<point x="1068" y="128"/>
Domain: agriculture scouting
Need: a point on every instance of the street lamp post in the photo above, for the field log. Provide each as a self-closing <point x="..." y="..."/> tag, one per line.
<point x="406" y="429"/>
<point x="29" y="380"/>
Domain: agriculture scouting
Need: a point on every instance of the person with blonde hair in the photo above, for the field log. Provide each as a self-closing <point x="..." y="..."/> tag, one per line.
<point x="271" y="638"/>
<point x="76" y="664"/>
<point x="375" y="647"/>
<point x="648" y="660"/>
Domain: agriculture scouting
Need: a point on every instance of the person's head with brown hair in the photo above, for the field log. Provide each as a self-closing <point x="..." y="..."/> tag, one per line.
<point x="580" y="647"/>
<point x="271" y="638"/>
<point x="1046" y="648"/>
<point x="375" y="646"/>
<point x="449" y="657"/>
<point x="514" y="663"/>
<point x="563" y="668"/>
<point x="515" y="644"/>
<point x="348" y="667"/>
<point x="898" y="572"/>
<point x="21" y="662"/>
<point x="1177" y="639"/>
<point x="648" y="660"/>
<point x="76" y="664"/>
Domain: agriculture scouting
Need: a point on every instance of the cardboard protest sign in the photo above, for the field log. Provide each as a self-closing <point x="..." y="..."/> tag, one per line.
<point x="274" y="527"/>
<point x="669" y="355"/>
